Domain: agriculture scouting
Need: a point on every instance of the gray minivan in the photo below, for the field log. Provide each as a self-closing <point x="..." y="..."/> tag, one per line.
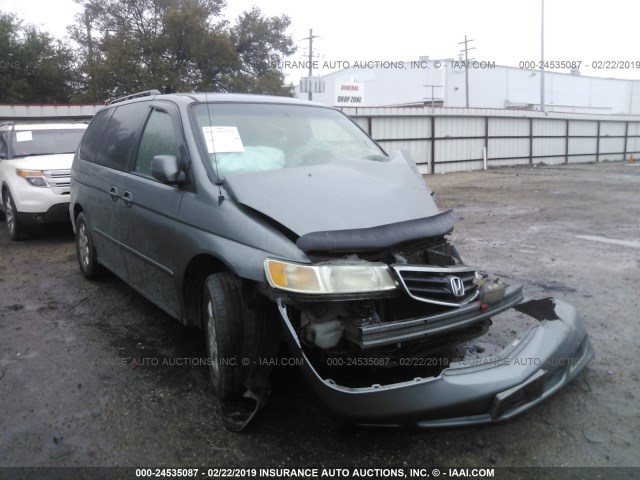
<point x="257" y="218"/>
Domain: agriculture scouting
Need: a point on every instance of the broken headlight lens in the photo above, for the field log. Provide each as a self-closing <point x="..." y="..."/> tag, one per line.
<point x="329" y="278"/>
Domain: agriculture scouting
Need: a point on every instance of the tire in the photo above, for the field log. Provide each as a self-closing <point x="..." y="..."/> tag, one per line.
<point x="223" y="316"/>
<point x="14" y="226"/>
<point x="87" y="258"/>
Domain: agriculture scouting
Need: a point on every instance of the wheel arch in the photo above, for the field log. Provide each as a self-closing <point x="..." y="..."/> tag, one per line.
<point x="77" y="210"/>
<point x="197" y="271"/>
<point x="3" y="188"/>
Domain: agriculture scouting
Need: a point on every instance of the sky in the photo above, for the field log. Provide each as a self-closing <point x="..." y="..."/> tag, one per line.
<point x="504" y="31"/>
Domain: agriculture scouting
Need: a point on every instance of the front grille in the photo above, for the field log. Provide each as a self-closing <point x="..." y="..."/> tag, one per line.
<point x="58" y="180"/>
<point x="58" y="173"/>
<point x="451" y="286"/>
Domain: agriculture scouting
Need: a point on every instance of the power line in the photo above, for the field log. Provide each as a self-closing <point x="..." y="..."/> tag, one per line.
<point x="466" y="66"/>
<point x="542" y="106"/>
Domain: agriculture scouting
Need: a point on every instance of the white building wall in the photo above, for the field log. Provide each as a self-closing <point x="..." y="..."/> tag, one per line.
<point x="499" y="87"/>
<point x="384" y="86"/>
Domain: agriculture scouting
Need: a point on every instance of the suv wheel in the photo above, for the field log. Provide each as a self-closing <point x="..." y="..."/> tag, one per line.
<point x="87" y="258"/>
<point x="15" y="228"/>
<point x="224" y="316"/>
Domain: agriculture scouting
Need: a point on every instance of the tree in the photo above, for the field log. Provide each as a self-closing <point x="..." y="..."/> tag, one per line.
<point x="176" y="45"/>
<point x="261" y="43"/>
<point x="34" y="67"/>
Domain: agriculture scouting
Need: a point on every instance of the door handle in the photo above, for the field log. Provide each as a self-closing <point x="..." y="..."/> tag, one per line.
<point x="113" y="193"/>
<point x="127" y="199"/>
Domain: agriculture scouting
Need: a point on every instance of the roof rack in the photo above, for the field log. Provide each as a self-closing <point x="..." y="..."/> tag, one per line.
<point x="146" y="93"/>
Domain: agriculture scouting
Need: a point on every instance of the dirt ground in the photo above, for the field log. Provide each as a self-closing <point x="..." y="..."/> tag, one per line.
<point x="70" y="396"/>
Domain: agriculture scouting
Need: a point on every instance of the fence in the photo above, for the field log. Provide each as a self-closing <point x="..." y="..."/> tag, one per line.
<point x="444" y="140"/>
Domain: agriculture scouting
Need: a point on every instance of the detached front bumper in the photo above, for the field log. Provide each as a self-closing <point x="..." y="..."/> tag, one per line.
<point x="534" y="366"/>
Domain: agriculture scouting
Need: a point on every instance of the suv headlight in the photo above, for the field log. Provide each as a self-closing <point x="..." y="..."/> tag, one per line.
<point x="34" y="177"/>
<point x="329" y="278"/>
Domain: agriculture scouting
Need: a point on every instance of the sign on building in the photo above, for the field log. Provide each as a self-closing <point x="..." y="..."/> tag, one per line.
<point x="349" y="94"/>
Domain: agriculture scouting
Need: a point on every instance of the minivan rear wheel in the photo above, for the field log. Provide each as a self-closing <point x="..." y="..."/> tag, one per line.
<point x="87" y="257"/>
<point x="14" y="226"/>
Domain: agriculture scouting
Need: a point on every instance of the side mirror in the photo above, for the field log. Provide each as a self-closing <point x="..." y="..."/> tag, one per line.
<point x="165" y="169"/>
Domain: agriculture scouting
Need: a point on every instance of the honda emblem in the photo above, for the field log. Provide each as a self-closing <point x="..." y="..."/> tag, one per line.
<point x="456" y="286"/>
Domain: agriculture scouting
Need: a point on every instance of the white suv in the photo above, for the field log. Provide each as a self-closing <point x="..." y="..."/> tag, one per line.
<point x="35" y="164"/>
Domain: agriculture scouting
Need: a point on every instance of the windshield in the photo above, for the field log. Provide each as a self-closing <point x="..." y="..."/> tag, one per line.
<point x="45" y="142"/>
<point x="245" y="137"/>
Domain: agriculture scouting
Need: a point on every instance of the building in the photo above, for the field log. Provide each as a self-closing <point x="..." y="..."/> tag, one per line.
<point x="443" y="83"/>
<point x="48" y="113"/>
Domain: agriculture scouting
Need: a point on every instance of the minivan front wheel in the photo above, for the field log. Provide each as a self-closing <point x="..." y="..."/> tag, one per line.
<point x="87" y="258"/>
<point x="15" y="228"/>
<point x="224" y="314"/>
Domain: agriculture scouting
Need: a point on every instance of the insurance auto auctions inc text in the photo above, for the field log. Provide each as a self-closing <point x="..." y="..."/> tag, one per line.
<point x="374" y="472"/>
<point x="383" y="64"/>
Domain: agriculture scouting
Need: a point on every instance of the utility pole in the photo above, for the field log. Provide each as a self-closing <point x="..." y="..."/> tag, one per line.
<point x="310" y="38"/>
<point x="466" y="66"/>
<point x="542" y="107"/>
<point x="90" y="57"/>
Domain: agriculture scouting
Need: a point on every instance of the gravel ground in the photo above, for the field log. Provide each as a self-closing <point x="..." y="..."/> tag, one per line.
<point x="70" y="396"/>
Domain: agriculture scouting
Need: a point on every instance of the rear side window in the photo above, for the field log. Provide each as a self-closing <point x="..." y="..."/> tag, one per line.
<point x="159" y="138"/>
<point x="120" y="134"/>
<point x="93" y="135"/>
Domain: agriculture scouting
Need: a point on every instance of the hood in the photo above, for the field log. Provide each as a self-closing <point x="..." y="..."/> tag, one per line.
<point x="340" y="195"/>
<point x="59" y="161"/>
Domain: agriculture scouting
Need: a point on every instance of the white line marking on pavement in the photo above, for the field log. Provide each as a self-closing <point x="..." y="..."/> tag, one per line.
<point x="624" y="243"/>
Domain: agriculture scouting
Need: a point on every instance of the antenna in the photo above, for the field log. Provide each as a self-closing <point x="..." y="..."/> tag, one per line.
<point x="215" y="157"/>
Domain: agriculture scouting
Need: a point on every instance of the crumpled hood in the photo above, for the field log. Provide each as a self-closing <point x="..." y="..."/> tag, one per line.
<point x="340" y="195"/>
<point x="59" y="161"/>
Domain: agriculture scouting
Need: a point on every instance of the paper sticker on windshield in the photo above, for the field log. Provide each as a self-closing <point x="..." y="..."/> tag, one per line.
<point x="223" y="139"/>
<point x="24" y="136"/>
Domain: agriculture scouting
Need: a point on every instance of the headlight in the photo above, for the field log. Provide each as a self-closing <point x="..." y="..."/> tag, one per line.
<point x="329" y="278"/>
<point x="34" y="177"/>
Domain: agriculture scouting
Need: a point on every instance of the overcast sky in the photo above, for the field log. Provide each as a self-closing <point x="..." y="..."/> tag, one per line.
<point x="504" y="31"/>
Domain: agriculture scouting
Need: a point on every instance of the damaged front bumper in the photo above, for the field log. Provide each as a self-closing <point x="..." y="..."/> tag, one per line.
<point x="533" y="367"/>
<point x="387" y="333"/>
